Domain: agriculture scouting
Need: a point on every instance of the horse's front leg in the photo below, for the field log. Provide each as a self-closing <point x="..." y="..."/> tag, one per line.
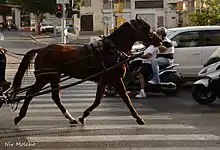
<point x="119" y="86"/>
<point x="99" y="94"/>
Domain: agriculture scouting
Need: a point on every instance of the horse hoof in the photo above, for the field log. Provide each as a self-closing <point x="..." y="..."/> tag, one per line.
<point x="73" y="122"/>
<point x="81" y="120"/>
<point x="16" y="120"/>
<point x="141" y="121"/>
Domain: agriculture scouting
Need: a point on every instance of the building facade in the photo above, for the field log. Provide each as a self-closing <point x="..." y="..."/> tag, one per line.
<point x="91" y="15"/>
<point x="155" y="12"/>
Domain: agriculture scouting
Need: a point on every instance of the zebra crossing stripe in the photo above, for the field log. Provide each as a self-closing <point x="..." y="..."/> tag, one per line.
<point x="141" y="148"/>
<point x="107" y="127"/>
<point x="75" y="110"/>
<point x="114" y="138"/>
<point x="81" y="99"/>
<point x="73" y="104"/>
<point x="58" y="118"/>
<point x="74" y="94"/>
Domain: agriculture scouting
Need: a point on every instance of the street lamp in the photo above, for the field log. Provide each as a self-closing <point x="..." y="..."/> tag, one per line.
<point x="112" y="15"/>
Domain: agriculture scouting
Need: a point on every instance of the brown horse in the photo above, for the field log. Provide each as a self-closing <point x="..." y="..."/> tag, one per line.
<point x="56" y="59"/>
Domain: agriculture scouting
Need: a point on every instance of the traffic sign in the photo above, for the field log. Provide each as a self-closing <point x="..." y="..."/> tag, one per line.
<point x="63" y="2"/>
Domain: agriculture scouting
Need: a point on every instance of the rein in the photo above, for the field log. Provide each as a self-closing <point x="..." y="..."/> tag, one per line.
<point x="19" y="54"/>
<point x="151" y="33"/>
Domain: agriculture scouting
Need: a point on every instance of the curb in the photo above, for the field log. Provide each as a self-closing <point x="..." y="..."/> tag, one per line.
<point x="39" y="42"/>
<point x="47" y="43"/>
<point x="35" y="39"/>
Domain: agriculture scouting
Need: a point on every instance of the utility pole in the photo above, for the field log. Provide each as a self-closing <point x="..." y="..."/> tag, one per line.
<point x="63" y="24"/>
<point x="63" y="19"/>
<point x="112" y="15"/>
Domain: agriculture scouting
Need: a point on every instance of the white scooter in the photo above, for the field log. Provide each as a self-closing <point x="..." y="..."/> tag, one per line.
<point x="207" y="89"/>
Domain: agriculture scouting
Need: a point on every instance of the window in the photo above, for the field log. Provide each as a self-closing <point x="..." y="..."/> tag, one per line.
<point x="211" y="37"/>
<point x="187" y="39"/>
<point x="86" y="3"/>
<point x="107" y="3"/>
<point x="149" y="4"/>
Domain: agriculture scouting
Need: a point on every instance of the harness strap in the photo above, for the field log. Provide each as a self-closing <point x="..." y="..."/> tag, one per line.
<point x="99" y="47"/>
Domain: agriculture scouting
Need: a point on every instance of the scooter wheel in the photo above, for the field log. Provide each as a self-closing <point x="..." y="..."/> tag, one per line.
<point x="203" y="95"/>
<point x="110" y="91"/>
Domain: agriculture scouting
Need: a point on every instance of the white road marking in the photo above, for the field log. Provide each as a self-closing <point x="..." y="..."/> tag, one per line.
<point x="107" y="127"/>
<point x="73" y="104"/>
<point x="77" y="110"/>
<point x="1" y="37"/>
<point x="113" y="138"/>
<point x="147" y="117"/>
<point x="141" y="148"/>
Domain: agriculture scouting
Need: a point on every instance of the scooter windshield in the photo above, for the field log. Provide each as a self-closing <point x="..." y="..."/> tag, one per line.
<point x="215" y="57"/>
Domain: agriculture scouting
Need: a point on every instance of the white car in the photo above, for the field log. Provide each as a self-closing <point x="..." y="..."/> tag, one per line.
<point x="44" y="27"/>
<point x="193" y="46"/>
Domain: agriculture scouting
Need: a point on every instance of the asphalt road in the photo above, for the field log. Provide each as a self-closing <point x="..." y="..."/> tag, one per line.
<point x="173" y="123"/>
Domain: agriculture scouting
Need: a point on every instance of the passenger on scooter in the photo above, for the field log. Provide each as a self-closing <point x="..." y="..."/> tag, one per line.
<point x="149" y="55"/>
<point x="164" y="56"/>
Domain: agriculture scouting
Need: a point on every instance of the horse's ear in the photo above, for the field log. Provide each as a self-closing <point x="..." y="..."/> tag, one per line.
<point x="138" y="18"/>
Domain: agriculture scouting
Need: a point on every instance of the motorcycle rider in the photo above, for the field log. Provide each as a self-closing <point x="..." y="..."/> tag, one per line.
<point x="164" y="56"/>
<point x="150" y="54"/>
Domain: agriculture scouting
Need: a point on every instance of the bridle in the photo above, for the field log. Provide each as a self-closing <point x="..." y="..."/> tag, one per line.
<point x="151" y="33"/>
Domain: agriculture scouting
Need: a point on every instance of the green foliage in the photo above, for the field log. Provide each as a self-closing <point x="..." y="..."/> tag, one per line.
<point x="39" y="6"/>
<point x="78" y="3"/>
<point x="209" y="15"/>
<point x="4" y="10"/>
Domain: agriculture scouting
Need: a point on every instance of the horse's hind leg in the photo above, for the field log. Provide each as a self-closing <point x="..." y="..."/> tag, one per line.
<point x="40" y="82"/>
<point x="55" y="83"/>
<point x="119" y="85"/>
<point x="99" y="94"/>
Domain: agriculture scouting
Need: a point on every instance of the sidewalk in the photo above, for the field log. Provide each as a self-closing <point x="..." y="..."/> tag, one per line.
<point x="51" y="39"/>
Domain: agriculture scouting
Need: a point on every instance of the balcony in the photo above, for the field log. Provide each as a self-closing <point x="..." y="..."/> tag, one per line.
<point x="125" y="6"/>
<point x="173" y="1"/>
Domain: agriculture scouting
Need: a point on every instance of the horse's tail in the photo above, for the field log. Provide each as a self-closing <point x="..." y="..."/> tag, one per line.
<point x="25" y="63"/>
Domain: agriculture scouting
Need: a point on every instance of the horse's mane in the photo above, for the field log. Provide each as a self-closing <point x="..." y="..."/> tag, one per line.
<point x="123" y="37"/>
<point x="124" y="26"/>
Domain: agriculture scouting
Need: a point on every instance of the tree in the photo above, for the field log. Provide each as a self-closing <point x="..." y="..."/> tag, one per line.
<point x="39" y="8"/>
<point x="78" y="3"/>
<point x="4" y="11"/>
<point x="207" y="15"/>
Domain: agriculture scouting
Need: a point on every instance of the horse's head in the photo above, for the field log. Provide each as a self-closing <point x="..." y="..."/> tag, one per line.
<point x="144" y="33"/>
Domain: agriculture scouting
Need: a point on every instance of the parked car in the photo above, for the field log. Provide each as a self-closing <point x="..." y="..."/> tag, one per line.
<point x="44" y="27"/>
<point x="193" y="46"/>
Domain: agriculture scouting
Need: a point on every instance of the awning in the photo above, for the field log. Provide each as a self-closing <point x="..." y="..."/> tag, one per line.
<point x="9" y="5"/>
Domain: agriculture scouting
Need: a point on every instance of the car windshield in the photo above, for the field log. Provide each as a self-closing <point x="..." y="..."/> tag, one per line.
<point x="215" y="57"/>
<point x="216" y="53"/>
<point x="44" y="24"/>
<point x="170" y="32"/>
